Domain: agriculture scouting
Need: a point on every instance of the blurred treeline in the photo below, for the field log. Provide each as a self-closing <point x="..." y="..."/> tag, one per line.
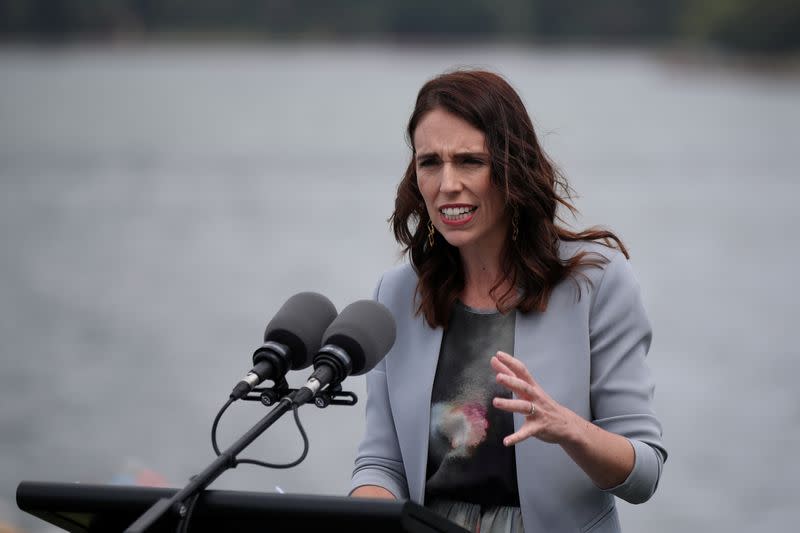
<point x="755" y="26"/>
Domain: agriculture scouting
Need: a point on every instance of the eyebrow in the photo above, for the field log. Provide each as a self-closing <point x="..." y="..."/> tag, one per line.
<point x="459" y="155"/>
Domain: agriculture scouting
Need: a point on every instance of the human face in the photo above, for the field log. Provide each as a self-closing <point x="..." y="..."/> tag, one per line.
<point x="454" y="176"/>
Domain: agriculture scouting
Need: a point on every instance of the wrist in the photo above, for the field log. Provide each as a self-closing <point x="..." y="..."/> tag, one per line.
<point x="575" y="430"/>
<point x="372" y="491"/>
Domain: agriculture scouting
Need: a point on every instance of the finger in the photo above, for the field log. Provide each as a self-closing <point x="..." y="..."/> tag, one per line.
<point x="516" y="385"/>
<point x="499" y="367"/>
<point x="519" y="436"/>
<point x="510" y="405"/>
<point x="516" y="366"/>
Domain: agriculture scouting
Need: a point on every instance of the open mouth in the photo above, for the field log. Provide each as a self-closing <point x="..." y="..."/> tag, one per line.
<point x="457" y="214"/>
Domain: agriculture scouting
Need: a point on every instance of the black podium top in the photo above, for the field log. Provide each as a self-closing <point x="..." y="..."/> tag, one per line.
<point x="83" y="508"/>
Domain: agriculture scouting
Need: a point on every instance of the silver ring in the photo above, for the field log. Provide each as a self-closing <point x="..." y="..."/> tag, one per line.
<point x="533" y="409"/>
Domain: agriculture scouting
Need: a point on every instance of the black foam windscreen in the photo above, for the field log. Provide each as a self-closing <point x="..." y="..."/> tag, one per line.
<point x="365" y="330"/>
<point x="300" y="324"/>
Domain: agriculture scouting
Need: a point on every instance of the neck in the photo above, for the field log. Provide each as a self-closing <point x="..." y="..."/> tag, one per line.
<point x="481" y="272"/>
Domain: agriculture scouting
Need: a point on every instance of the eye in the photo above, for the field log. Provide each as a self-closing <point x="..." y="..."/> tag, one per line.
<point x="428" y="162"/>
<point x="473" y="161"/>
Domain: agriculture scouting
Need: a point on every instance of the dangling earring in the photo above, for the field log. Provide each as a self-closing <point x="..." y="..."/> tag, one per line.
<point x="514" y="225"/>
<point x="431" y="232"/>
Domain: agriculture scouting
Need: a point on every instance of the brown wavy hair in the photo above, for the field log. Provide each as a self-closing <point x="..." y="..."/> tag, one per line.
<point x="533" y="188"/>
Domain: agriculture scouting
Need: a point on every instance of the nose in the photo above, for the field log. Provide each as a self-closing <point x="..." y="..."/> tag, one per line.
<point x="451" y="180"/>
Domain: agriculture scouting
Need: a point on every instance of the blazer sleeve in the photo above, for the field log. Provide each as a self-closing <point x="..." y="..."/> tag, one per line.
<point x="378" y="461"/>
<point x="622" y="386"/>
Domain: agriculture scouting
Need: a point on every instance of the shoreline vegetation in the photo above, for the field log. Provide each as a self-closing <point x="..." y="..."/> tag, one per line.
<point x="738" y="28"/>
<point x="759" y="36"/>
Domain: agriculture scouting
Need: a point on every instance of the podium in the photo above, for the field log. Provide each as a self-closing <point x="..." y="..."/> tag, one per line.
<point x="80" y="508"/>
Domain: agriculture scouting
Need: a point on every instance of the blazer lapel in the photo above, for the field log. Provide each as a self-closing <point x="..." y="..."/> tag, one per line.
<point x="410" y="387"/>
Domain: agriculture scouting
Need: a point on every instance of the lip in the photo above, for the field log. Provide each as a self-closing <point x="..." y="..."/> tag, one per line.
<point x="454" y="223"/>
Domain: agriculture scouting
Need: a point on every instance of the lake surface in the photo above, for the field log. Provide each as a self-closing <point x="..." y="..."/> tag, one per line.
<point x="159" y="204"/>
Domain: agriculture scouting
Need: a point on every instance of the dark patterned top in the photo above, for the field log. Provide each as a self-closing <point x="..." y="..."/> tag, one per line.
<point x="466" y="457"/>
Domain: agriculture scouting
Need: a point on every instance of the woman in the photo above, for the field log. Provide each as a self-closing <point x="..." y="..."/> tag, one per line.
<point x="541" y="440"/>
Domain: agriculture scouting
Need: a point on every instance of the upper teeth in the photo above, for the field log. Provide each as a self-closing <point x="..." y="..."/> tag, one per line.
<point x="453" y="211"/>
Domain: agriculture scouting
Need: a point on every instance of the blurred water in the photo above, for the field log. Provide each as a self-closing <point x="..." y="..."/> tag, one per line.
<point x="157" y="206"/>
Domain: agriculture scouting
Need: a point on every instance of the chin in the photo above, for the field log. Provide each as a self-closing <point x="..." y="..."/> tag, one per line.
<point x="457" y="241"/>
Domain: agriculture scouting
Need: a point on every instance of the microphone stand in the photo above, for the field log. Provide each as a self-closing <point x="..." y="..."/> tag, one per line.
<point x="332" y="395"/>
<point x="199" y="482"/>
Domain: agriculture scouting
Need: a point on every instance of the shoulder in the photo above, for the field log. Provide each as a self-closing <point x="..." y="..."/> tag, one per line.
<point x="569" y="249"/>
<point x="403" y="272"/>
<point x="608" y="269"/>
<point x="397" y="286"/>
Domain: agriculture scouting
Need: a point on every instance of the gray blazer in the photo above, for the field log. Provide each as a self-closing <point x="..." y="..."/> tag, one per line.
<point x="587" y="350"/>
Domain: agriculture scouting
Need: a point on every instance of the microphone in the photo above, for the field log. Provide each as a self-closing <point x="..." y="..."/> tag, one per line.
<point x="354" y="343"/>
<point x="291" y="339"/>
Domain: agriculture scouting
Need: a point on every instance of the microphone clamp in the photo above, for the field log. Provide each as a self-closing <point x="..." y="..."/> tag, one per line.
<point x="334" y="396"/>
<point x="331" y="395"/>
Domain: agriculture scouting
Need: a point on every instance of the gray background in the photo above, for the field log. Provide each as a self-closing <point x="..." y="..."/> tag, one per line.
<point x="159" y="203"/>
